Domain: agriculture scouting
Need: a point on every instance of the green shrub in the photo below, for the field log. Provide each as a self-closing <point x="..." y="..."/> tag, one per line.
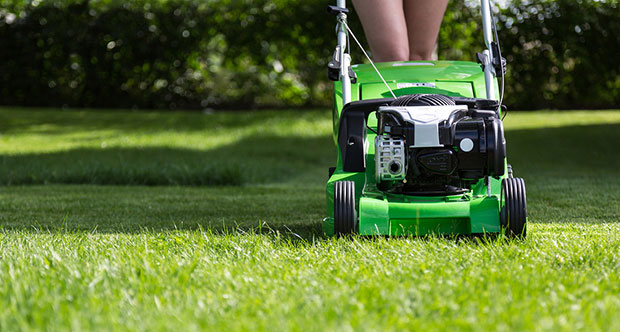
<point x="164" y="54"/>
<point x="245" y="54"/>
<point x="562" y="53"/>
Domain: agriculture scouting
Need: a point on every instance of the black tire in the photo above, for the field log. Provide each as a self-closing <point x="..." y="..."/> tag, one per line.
<point x="345" y="217"/>
<point x="509" y="171"/>
<point x="513" y="214"/>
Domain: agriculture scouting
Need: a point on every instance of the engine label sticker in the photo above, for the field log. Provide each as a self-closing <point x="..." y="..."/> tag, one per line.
<point x="415" y="85"/>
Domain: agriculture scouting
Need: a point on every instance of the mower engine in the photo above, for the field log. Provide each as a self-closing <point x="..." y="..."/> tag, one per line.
<point x="435" y="144"/>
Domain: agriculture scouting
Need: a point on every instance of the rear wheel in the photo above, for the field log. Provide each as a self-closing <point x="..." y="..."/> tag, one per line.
<point x="345" y="217"/>
<point x="513" y="214"/>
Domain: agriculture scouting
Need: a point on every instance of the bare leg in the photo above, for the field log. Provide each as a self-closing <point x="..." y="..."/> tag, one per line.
<point x="423" y="22"/>
<point x="385" y="28"/>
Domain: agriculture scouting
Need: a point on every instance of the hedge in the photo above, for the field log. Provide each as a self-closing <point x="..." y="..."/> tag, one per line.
<point x="259" y="53"/>
<point x="562" y="54"/>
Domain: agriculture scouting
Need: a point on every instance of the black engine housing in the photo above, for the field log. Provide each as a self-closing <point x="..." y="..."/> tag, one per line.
<point x="473" y="145"/>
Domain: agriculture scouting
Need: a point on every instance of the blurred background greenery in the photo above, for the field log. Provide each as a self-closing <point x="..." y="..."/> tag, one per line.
<point x="196" y="54"/>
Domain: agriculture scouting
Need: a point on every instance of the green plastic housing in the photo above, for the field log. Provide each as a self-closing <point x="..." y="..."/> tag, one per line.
<point x="380" y="213"/>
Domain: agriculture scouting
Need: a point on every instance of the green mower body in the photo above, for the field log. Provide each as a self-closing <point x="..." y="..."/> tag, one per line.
<point x="376" y="211"/>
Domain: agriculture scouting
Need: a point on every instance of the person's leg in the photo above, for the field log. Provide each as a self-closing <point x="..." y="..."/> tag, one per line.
<point x="385" y="28"/>
<point x="423" y="22"/>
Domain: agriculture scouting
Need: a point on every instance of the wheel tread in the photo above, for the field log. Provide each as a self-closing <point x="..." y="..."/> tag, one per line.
<point x="345" y="217"/>
<point x="514" y="212"/>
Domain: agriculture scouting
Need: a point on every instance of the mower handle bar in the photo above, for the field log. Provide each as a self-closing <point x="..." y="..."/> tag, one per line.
<point x="489" y="70"/>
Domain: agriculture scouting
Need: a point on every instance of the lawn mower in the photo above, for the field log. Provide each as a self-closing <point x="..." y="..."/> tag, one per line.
<point x="420" y="144"/>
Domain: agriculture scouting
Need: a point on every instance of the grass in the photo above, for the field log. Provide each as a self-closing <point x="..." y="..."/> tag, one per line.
<point x="185" y="221"/>
<point x="43" y="147"/>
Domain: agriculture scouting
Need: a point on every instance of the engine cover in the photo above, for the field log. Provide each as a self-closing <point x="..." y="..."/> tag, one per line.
<point x="425" y="121"/>
<point x="439" y="147"/>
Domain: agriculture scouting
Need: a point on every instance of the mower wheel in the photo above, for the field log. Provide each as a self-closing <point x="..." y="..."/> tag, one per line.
<point x="513" y="214"/>
<point x="345" y="218"/>
<point x="510" y="174"/>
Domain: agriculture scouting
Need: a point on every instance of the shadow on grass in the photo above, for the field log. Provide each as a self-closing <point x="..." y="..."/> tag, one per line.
<point x="585" y="151"/>
<point x="260" y="159"/>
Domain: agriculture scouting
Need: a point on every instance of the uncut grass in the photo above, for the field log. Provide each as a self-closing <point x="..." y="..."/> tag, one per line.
<point x="565" y="277"/>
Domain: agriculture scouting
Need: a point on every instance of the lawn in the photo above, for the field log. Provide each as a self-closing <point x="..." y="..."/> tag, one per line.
<point x="121" y="220"/>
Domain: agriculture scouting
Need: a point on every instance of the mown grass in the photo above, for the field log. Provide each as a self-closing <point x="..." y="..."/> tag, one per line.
<point x="206" y="254"/>
<point x="40" y="146"/>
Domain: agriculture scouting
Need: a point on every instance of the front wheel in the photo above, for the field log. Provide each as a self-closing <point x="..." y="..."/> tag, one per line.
<point x="513" y="214"/>
<point x="345" y="217"/>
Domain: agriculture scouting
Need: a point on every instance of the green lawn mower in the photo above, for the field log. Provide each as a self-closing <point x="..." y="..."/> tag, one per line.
<point x="421" y="146"/>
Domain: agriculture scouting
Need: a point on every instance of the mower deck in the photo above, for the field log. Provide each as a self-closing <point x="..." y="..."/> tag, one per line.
<point x="381" y="213"/>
